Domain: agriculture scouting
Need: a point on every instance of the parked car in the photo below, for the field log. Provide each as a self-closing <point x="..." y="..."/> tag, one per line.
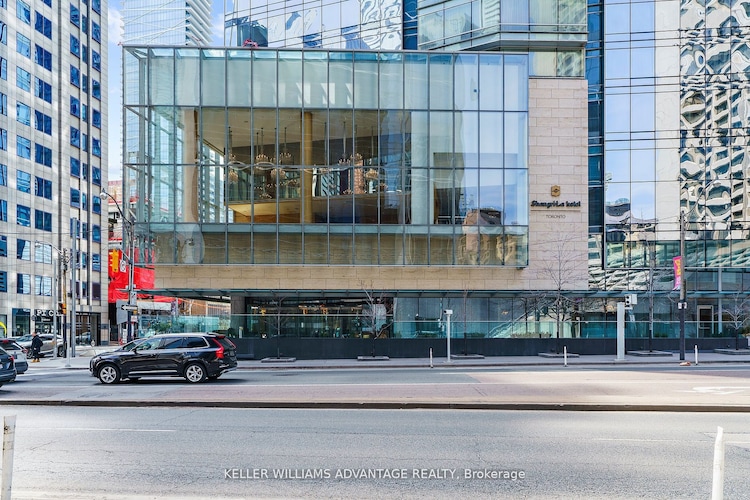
<point x="19" y="354"/>
<point x="7" y="367"/>
<point x="195" y="356"/>
<point x="48" y="343"/>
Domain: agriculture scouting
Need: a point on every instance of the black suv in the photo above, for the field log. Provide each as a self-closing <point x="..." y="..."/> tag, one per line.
<point x="195" y="356"/>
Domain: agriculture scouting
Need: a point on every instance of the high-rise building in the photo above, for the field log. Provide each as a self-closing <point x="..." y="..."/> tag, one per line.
<point x="308" y="255"/>
<point x="344" y="190"/>
<point x="53" y="152"/>
<point x="668" y="135"/>
<point x="174" y="22"/>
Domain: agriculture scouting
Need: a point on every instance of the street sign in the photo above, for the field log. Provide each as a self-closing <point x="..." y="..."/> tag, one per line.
<point x="126" y="307"/>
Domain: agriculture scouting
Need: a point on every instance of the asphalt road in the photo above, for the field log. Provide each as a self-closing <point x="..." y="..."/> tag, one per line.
<point x="190" y="453"/>
<point x="704" y="388"/>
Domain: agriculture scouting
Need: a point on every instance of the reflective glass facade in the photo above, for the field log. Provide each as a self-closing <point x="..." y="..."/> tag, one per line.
<point x="330" y="157"/>
<point x="343" y="24"/>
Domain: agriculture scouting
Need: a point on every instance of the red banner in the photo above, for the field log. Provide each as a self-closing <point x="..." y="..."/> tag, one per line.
<point x="143" y="278"/>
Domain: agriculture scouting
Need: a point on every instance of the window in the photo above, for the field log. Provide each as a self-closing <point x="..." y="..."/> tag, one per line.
<point x="75" y="167"/>
<point x="43" y="90"/>
<point x="85" y="142"/>
<point x="96" y="60"/>
<point x="3" y="32"/>
<point x="96" y="118"/>
<point x="75" y="15"/>
<point x="43" y="57"/>
<point x="96" y="291"/>
<point x="96" y="32"/>
<point x="96" y="90"/>
<point x="97" y="205"/>
<point x="75" y="46"/>
<point x="85" y="84"/>
<point x="43" y="285"/>
<point x="23" y="11"/>
<point x="85" y="171"/>
<point x="3" y="246"/>
<point x="43" y="25"/>
<point x="23" y="114"/>
<point x="96" y="147"/>
<point x="43" y="220"/>
<point x="84" y="54"/>
<point x="85" y="24"/>
<point x="23" y="249"/>
<point x="47" y="3"/>
<point x="23" y="216"/>
<point x="75" y="76"/>
<point x="84" y="113"/>
<point x="23" y="284"/>
<point x="3" y="67"/>
<point x="23" y="147"/>
<point x="75" y="137"/>
<point x="3" y="211"/>
<point x="23" y="181"/>
<point x="96" y="233"/>
<point x="75" y="198"/>
<point x="3" y="281"/>
<point x="85" y="207"/>
<point x="3" y="104"/>
<point x="75" y="106"/>
<point x="4" y="175"/>
<point x="23" y="79"/>
<point x="43" y="188"/>
<point x="3" y="139"/>
<point x="96" y="6"/>
<point x="96" y="176"/>
<point x="96" y="262"/>
<point x="43" y="155"/>
<point x="23" y="45"/>
<point x="42" y="122"/>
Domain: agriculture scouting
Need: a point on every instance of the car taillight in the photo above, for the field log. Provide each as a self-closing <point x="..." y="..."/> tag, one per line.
<point x="220" y="352"/>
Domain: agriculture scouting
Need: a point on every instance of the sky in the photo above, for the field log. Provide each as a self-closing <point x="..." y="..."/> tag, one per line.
<point x="115" y="83"/>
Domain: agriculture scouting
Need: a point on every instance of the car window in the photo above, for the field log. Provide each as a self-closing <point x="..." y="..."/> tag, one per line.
<point x="149" y="344"/>
<point x="225" y="342"/>
<point x="195" y="342"/>
<point x="172" y="343"/>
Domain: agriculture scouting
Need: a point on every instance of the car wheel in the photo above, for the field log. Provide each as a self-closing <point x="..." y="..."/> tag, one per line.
<point x="195" y="373"/>
<point x="109" y="374"/>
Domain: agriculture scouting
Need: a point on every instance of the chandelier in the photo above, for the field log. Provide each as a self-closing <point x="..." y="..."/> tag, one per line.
<point x="285" y="158"/>
<point x="261" y="156"/>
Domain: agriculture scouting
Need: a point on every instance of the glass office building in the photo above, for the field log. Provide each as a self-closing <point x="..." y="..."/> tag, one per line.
<point x="311" y="181"/>
<point x="668" y="135"/>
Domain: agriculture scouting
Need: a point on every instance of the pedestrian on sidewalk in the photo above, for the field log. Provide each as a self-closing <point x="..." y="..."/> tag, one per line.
<point x="36" y="347"/>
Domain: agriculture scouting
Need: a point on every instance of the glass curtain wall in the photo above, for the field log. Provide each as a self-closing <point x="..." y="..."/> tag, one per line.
<point x="291" y="157"/>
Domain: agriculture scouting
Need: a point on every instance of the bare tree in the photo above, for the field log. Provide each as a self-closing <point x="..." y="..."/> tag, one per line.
<point x="377" y="313"/>
<point x="276" y="323"/>
<point x="563" y="268"/>
<point x="738" y="313"/>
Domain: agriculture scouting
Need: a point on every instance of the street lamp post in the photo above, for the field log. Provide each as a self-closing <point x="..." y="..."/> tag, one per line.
<point x="128" y="225"/>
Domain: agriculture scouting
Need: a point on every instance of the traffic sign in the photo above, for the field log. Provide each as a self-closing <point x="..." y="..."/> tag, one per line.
<point x="126" y="307"/>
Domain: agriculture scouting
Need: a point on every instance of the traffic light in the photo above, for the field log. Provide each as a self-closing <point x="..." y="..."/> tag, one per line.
<point x="62" y="309"/>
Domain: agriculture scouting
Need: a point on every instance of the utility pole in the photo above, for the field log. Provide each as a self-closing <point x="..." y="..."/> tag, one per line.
<point x="682" y="305"/>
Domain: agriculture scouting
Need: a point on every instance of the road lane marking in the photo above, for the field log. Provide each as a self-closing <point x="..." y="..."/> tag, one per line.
<point x="719" y="390"/>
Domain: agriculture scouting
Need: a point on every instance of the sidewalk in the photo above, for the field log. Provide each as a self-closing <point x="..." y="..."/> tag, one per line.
<point x="84" y="354"/>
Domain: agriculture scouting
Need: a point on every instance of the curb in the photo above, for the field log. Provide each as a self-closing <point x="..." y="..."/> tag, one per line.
<point x="411" y="405"/>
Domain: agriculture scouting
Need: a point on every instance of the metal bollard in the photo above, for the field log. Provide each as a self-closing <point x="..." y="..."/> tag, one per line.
<point x="9" y="436"/>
